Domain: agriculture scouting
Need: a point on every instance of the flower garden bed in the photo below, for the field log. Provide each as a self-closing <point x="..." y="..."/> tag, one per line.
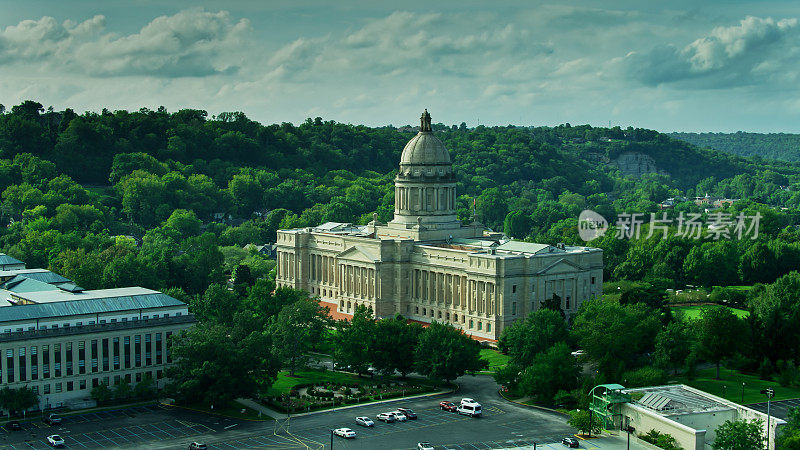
<point x="316" y="390"/>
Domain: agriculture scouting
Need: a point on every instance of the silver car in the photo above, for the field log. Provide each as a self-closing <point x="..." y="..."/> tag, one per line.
<point x="398" y="416"/>
<point x="364" y="421"/>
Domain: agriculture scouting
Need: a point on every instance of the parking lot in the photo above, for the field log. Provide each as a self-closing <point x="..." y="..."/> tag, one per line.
<point x="502" y="425"/>
<point x="778" y="408"/>
<point x="126" y="427"/>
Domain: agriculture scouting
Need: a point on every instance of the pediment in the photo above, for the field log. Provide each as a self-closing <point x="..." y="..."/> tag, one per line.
<point x="563" y="265"/>
<point x="358" y="254"/>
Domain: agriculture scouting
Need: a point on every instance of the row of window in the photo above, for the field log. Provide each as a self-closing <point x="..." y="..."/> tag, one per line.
<point x="91" y="322"/>
<point x="455" y="318"/>
<point x="80" y="385"/>
<point x="134" y="355"/>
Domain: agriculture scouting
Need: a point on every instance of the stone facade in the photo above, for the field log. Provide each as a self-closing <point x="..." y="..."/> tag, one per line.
<point x="426" y="265"/>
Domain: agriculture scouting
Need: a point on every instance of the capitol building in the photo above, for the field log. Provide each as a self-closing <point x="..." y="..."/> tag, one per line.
<point x="428" y="266"/>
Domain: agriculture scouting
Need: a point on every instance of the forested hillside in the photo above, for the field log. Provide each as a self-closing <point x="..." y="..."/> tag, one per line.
<point x="192" y="190"/>
<point x="780" y="146"/>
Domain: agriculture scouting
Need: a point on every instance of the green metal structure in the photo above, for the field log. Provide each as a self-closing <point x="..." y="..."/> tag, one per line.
<point x="605" y="404"/>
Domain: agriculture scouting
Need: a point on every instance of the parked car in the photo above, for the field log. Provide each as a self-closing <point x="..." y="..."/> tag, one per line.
<point x="424" y="446"/>
<point x="52" y="419"/>
<point x="365" y="421"/>
<point x="570" y="442"/>
<point x="13" y="426"/>
<point x="467" y="400"/>
<point x="197" y="446"/>
<point x="448" y="406"/>
<point x="386" y="417"/>
<point x="398" y="416"/>
<point x="408" y="413"/>
<point x="472" y="409"/>
<point x="55" y="440"/>
<point x="346" y="433"/>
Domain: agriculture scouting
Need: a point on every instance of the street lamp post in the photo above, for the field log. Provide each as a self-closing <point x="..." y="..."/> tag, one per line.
<point x="331" y="439"/>
<point x="629" y="429"/>
<point x="769" y="392"/>
<point x="743" y="392"/>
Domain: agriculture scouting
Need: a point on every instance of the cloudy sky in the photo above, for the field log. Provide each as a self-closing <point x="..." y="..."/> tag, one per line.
<point x="677" y="65"/>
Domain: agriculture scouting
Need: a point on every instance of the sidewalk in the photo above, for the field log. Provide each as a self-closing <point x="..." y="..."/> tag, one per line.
<point x="250" y="403"/>
<point x="605" y="442"/>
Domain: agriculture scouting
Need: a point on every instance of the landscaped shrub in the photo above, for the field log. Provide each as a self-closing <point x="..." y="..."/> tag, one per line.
<point x="661" y="440"/>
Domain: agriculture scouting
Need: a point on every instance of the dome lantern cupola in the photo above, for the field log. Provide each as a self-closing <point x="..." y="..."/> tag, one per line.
<point x="425" y="149"/>
<point x="425" y="186"/>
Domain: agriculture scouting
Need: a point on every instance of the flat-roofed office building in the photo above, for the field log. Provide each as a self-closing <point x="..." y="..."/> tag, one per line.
<point x="61" y="340"/>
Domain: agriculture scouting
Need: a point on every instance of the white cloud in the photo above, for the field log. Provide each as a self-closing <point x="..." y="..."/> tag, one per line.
<point x="751" y="52"/>
<point x="190" y="43"/>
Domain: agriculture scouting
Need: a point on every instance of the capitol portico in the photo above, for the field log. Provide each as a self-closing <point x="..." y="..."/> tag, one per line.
<point x="426" y="265"/>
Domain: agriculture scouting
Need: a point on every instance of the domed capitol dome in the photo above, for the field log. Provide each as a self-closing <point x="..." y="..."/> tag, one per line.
<point x="425" y="148"/>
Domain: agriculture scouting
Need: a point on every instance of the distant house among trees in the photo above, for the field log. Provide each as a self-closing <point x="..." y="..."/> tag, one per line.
<point x="267" y="250"/>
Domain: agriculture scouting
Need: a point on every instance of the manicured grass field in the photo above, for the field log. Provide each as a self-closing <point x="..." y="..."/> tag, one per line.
<point x="730" y="386"/>
<point x="284" y="383"/>
<point x="495" y="358"/>
<point x="693" y="312"/>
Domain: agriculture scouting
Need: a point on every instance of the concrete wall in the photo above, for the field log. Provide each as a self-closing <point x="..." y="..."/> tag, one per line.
<point x="707" y="420"/>
<point x="644" y="420"/>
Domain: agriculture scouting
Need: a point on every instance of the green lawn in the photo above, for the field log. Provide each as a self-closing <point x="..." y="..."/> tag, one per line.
<point x="495" y="358"/>
<point x="693" y="312"/>
<point x="730" y="386"/>
<point x="744" y="289"/>
<point x="284" y="383"/>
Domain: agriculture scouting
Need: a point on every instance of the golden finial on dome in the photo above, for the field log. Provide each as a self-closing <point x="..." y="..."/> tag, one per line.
<point x="425" y="121"/>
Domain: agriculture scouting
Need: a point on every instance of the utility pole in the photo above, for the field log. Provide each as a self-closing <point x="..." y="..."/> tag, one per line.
<point x="769" y="392"/>
<point x="331" y="439"/>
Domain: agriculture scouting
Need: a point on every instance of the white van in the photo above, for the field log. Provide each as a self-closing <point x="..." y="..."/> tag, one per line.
<point x="471" y="409"/>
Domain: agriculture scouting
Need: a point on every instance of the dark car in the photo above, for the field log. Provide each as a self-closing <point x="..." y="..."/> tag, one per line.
<point x="408" y="413"/>
<point x="52" y="419"/>
<point x="13" y="426"/>
<point x="448" y="406"/>
<point x="570" y="442"/>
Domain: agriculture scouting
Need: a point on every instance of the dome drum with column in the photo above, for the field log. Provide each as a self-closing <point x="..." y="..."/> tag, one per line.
<point x="425" y="186"/>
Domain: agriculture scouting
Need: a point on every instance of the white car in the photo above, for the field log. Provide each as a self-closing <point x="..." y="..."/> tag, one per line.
<point x="365" y="421"/>
<point x="424" y="446"/>
<point x="346" y="433"/>
<point x="472" y="409"/>
<point x="398" y="416"/>
<point x="386" y="417"/>
<point x="55" y="440"/>
<point x="467" y="400"/>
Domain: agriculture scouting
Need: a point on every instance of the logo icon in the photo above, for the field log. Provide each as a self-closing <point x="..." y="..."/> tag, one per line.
<point x="591" y="225"/>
